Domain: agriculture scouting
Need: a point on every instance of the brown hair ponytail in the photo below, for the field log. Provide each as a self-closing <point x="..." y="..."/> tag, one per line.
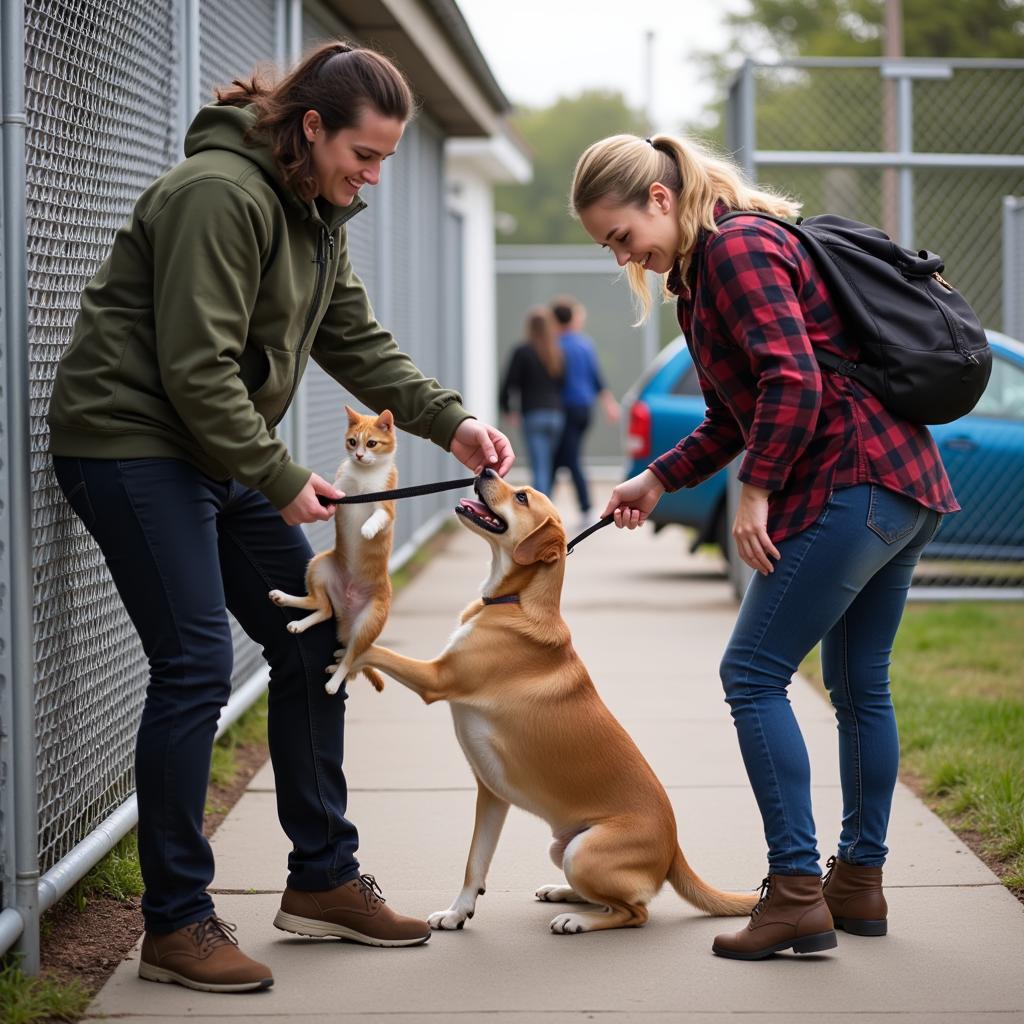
<point x="336" y="80"/>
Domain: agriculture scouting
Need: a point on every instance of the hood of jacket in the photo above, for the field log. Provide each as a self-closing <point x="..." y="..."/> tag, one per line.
<point x="225" y="128"/>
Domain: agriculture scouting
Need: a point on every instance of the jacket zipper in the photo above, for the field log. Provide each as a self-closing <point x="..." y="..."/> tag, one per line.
<point x="318" y="293"/>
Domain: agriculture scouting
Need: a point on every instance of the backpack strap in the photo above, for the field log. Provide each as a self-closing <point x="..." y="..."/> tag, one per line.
<point x="844" y="367"/>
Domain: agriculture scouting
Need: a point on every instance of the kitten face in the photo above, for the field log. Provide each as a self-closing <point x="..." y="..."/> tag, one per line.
<point x="369" y="438"/>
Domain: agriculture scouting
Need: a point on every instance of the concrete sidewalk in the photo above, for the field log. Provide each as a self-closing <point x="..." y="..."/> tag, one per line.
<point x="651" y="623"/>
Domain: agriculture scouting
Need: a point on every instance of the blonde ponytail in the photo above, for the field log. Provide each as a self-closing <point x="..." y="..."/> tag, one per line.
<point x="622" y="168"/>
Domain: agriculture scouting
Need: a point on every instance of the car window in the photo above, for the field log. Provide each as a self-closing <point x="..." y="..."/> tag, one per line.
<point x="1004" y="396"/>
<point x="687" y="384"/>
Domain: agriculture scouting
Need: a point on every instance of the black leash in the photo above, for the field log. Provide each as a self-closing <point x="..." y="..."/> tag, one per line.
<point x="600" y="524"/>
<point x="398" y="492"/>
<point x="444" y="485"/>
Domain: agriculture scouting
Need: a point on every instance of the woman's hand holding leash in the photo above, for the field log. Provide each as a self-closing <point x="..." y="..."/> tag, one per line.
<point x="634" y="500"/>
<point x="750" y="529"/>
<point x="305" y="507"/>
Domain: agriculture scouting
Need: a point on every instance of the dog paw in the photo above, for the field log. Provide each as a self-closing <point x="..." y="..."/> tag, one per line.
<point x="569" y="924"/>
<point x="558" y="894"/>
<point x="448" y="920"/>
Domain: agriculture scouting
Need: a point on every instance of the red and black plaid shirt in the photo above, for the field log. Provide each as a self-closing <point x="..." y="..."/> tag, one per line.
<point x="755" y="310"/>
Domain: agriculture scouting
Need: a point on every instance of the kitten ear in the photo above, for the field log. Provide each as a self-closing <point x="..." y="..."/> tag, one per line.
<point x="386" y="421"/>
<point x="353" y="416"/>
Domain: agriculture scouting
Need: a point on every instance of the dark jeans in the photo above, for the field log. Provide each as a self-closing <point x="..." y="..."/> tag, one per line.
<point x="570" y="450"/>
<point x="184" y="549"/>
<point x="843" y="581"/>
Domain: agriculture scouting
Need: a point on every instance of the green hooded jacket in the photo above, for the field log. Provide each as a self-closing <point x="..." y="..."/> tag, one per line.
<point x="194" y="334"/>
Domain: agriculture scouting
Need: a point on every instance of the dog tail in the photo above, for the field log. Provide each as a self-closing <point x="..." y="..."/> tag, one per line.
<point x="705" y="897"/>
<point x="375" y="677"/>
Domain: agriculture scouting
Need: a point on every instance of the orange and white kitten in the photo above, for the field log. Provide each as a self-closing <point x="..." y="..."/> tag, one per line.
<point x="351" y="581"/>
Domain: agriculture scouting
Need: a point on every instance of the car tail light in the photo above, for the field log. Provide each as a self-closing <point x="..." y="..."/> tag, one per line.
<point x="638" y="435"/>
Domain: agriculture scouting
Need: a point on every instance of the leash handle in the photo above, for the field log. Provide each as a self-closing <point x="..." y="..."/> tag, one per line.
<point x="600" y="524"/>
<point x="398" y="492"/>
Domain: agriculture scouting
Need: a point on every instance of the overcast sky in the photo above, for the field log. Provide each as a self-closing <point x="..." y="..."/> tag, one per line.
<point x="542" y="49"/>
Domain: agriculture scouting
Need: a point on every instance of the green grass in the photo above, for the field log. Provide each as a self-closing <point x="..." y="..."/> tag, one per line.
<point x="117" y="875"/>
<point x="958" y="690"/>
<point x="25" y="1000"/>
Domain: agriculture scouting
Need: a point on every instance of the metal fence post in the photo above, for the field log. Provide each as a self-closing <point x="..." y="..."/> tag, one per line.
<point x="747" y="117"/>
<point x="1013" y="266"/>
<point x="19" y="483"/>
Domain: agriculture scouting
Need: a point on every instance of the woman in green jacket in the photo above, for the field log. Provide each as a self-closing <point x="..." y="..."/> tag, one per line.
<point x="192" y="338"/>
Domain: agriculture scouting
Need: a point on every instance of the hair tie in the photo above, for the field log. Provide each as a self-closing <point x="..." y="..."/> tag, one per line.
<point x="649" y="143"/>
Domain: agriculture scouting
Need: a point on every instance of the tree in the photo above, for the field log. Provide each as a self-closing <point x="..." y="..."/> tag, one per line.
<point x="538" y="212"/>
<point x="854" y="28"/>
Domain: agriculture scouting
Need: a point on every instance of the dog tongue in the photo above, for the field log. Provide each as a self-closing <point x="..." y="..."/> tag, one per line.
<point x="475" y="507"/>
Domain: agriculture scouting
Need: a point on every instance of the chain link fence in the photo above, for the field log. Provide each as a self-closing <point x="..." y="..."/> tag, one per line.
<point x="108" y="84"/>
<point x="929" y="150"/>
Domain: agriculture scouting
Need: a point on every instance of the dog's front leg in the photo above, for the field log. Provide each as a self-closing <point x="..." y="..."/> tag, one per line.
<point x="491" y="811"/>
<point x="424" y="678"/>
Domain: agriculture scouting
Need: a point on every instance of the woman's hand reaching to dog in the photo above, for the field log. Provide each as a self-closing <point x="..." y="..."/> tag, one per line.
<point x="479" y="446"/>
<point x="634" y="500"/>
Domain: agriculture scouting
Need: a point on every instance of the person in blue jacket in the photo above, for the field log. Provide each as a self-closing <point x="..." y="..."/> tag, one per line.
<point x="582" y="383"/>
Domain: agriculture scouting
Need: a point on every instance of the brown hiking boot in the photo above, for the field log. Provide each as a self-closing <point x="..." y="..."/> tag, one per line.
<point x="854" y="897"/>
<point x="791" y="914"/>
<point x="355" y="910"/>
<point x="203" y="956"/>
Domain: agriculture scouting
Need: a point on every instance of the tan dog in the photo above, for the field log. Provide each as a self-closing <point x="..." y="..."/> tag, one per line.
<point x="537" y="734"/>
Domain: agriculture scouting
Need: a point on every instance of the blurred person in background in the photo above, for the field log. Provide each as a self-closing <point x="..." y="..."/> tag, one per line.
<point x="192" y="337"/>
<point x="582" y="383"/>
<point x="839" y="497"/>
<point x="534" y="377"/>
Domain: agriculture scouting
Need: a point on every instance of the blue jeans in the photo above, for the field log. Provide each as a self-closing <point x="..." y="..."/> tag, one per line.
<point x="542" y="429"/>
<point x="842" y="581"/>
<point x="184" y="549"/>
<point x="570" y="451"/>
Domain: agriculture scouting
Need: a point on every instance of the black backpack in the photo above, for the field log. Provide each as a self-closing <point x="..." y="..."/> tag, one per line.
<point x="925" y="354"/>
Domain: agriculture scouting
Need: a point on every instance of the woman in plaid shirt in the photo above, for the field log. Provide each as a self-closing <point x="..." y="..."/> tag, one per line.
<point x="839" y="496"/>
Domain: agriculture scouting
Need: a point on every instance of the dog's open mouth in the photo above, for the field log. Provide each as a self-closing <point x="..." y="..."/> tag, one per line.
<point x="477" y="512"/>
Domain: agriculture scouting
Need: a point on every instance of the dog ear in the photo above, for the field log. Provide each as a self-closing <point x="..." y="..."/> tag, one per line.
<point x="545" y="544"/>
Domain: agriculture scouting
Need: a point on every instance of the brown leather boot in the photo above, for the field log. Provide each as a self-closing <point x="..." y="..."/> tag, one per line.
<point x="355" y="910"/>
<point x="791" y="914"/>
<point x="203" y="956"/>
<point x="854" y="897"/>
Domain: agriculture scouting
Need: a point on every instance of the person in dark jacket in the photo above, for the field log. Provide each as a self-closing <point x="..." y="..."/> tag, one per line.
<point x="838" y="498"/>
<point x="534" y="377"/>
<point x="232" y="272"/>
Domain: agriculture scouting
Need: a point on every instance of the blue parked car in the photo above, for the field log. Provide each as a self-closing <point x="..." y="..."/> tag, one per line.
<point x="983" y="453"/>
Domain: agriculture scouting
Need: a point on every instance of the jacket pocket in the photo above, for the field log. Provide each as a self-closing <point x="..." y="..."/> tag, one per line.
<point x="892" y="516"/>
<point x="71" y="479"/>
<point x="271" y="398"/>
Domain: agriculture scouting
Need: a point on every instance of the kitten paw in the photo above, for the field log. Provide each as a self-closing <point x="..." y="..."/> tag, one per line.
<point x="294" y="627"/>
<point x="277" y="596"/>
